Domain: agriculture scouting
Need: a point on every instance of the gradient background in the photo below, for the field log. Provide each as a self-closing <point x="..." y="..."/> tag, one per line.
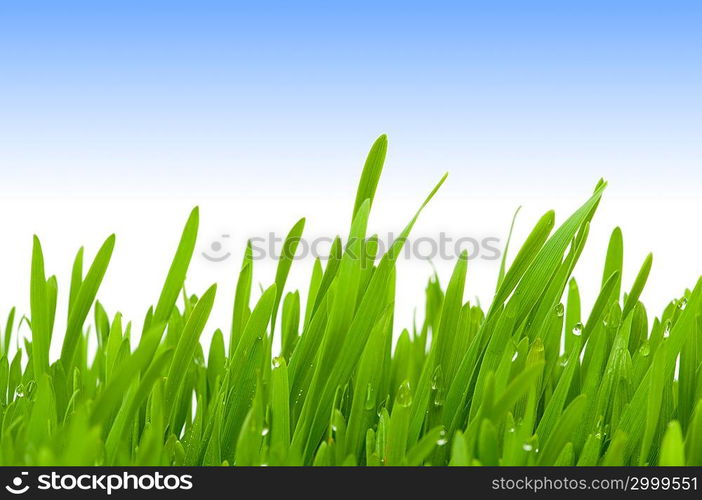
<point x="120" y="116"/>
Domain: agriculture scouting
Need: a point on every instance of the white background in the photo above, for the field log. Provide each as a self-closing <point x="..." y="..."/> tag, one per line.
<point x="148" y="230"/>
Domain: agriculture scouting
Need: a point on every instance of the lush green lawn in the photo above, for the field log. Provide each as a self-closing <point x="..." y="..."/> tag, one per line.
<point x="532" y="379"/>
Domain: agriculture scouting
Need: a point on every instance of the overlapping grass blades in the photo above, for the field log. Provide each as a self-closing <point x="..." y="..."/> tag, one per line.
<point x="528" y="381"/>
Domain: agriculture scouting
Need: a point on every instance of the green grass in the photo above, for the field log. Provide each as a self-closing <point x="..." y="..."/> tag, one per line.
<point x="531" y="380"/>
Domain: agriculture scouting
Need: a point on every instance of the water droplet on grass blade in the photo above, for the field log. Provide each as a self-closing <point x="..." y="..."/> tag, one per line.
<point x="559" y="310"/>
<point x="437" y="387"/>
<point x="370" y="397"/>
<point x="437" y="378"/>
<point x="404" y="394"/>
<point x="578" y="329"/>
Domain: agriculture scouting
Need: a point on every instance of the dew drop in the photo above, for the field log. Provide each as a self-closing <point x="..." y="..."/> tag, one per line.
<point x="645" y="349"/>
<point x="683" y="303"/>
<point x="578" y="329"/>
<point x="559" y="310"/>
<point x="516" y="355"/>
<point x="442" y="439"/>
<point x="277" y="361"/>
<point x="265" y="431"/>
<point x="666" y="332"/>
<point x="439" y="399"/>
<point x="527" y="447"/>
<point x="437" y="387"/>
<point x="19" y="391"/>
<point x="404" y="394"/>
<point x="370" y="397"/>
<point x="437" y="379"/>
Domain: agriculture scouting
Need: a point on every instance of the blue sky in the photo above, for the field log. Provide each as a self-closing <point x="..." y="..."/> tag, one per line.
<point x="166" y="97"/>
<point x="231" y="105"/>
